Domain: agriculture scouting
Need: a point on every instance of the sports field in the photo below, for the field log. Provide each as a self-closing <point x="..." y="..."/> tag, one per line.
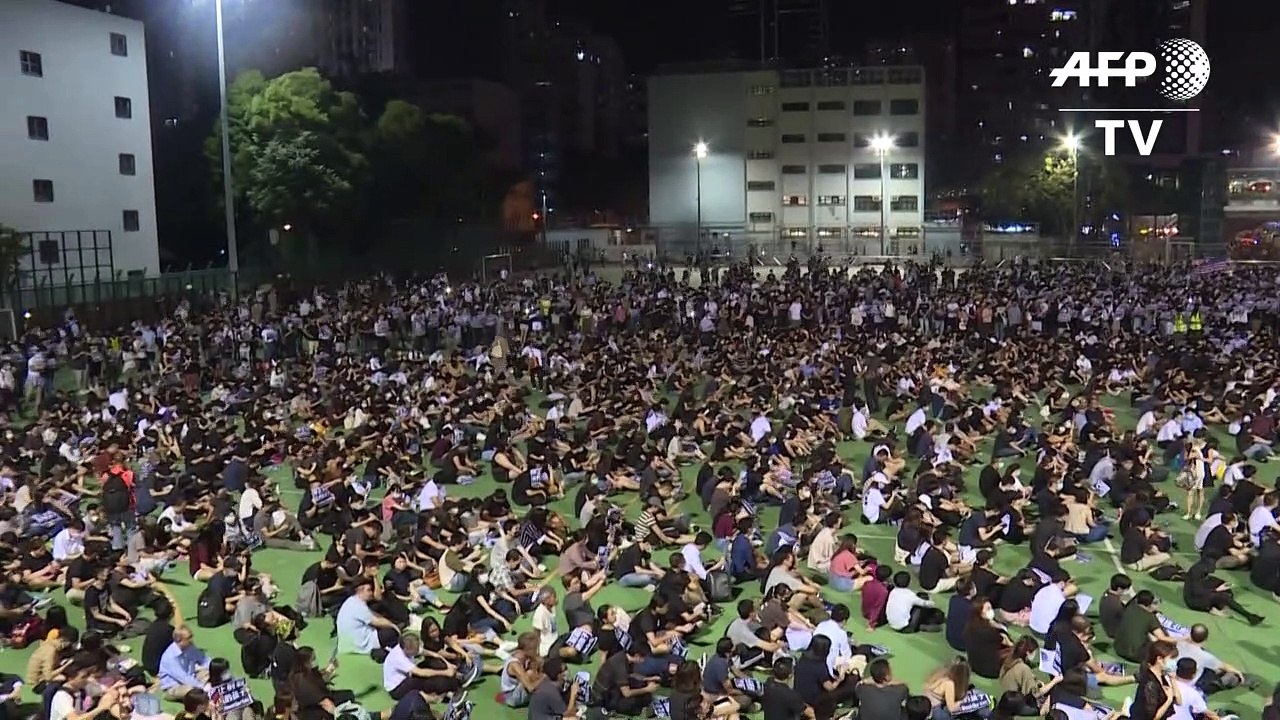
<point x="1253" y="649"/>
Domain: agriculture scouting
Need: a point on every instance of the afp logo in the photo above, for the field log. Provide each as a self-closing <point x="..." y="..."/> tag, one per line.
<point x="1184" y="72"/>
<point x="1184" y="63"/>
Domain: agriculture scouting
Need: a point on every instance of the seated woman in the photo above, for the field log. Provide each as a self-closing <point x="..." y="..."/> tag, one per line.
<point x="847" y="572"/>
<point x="309" y="685"/>
<point x="986" y="641"/>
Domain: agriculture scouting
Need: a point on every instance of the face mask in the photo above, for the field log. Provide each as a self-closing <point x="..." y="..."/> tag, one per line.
<point x="989" y="614"/>
<point x="1171" y="665"/>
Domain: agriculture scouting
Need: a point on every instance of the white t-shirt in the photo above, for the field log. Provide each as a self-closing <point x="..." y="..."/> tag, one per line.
<point x="858" y="425"/>
<point x="915" y="421"/>
<point x="396" y="668"/>
<point x="1193" y="702"/>
<point x="65" y="545"/>
<point x="431" y="494"/>
<point x="872" y="502"/>
<point x="1260" y="519"/>
<point x="250" y="503"/>
<point x="544" y="621"/>
<point x="1045" y="606"/>
<point x="62" y="706"/>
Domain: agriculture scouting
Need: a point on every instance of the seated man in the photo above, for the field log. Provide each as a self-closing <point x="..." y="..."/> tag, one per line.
<point x="183" y="666"/>
<point x="1212" y="674"/>
<point x="360" y="630"/>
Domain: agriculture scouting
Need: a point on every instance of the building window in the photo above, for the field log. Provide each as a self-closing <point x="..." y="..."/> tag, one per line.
<point x="866" y="171"/>
<point x="795" y="233"/>
<point x="124" y="107"/>
<point x="907" y="106"/>
<point x="904" y="171"/>
<point x="42" y="190"/>
<point x="795" y="107"/>
<point x="119" y="45"/>
<point x="831" y="200"/>
<point x="831" y="169"/>
<point x="760" y="217"/>
<point x="861" y="140"/>
<point x="906" y="232"/>
<point x="832" y="137"/>
<point x="760" y="155"/>
<point x="906" y="76"/>
<point x="760" y="122"/>
<point x="830" y="232"/>
<point x="909" y="139"/>
<point x="128" y="164"/>
<point x="761" y="90"/>
<point x="831" y="105"/>
<point x="866" y="203"/>
<point x="793" y="138"/>
<point x="131" y="222"/>
<point x="794" y="170"/>
<point x="1062" y="16"/>
<point x="760" y="185"/>
<point x="904" y="203"/>
<point x="37" y="127"/>
<point x="31" y="63"/>
<point x="866" y="231"/>
<point x="866" y="107"/>
<point x="795" y="200"/>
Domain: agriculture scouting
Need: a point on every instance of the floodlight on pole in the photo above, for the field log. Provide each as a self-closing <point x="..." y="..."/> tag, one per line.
<point x="1071" y="143"/>
<point x="883" y="144"/>
<point x="228" y="194"/>
<point x="700" y="153"/>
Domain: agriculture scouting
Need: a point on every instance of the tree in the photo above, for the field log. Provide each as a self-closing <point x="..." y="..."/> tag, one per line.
<point x="431" y="166"/>
<point x="12" y="250"/>
<point x="1045" y="189"/>
<point x="297" y="150"/>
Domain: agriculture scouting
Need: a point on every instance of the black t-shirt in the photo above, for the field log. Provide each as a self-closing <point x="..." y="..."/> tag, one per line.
<point x="811" y="673"/>
<point x="644" y="623"/>
<point x="628" y="559"/>
<point x="158" y="639"/>
<point x="983" y="581"/>
<point x="933" y="568"/>
<point x="1148" y="697"/>
<point x="881" y="701"/>
<point x="309" y="692"/>
<point x="1218" y="543"/>
<point x="984" y="644"/>
<point x="1134" y="546"/>
<point x="1071" y="652"/>
<point x="410" y="706"/>
<point x="96" y="598"/>
<point x="614" y="675"/>
<point x="958" y="609"/>
<point x="782" y="702"/>
<point x="79" y="569"/>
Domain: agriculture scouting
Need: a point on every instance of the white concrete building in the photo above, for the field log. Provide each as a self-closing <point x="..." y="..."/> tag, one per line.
<point x="75" y="141"/>
<point x="789" y="158"/>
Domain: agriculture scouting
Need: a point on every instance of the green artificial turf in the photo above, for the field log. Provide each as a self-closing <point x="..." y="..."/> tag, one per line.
<point x="913" y="657"/>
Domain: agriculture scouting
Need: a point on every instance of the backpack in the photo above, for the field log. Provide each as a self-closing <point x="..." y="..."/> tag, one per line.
<point x="211" y="610"/>
<point x="308" y="602"/>
<point x="719" y="587"/>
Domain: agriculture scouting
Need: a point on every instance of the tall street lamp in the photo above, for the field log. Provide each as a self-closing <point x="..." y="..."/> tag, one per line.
<point x="883" y="144"/>
<point x="1071" y="143"/>
<point x="228" y="195"/>
<point x="700" y="152"/>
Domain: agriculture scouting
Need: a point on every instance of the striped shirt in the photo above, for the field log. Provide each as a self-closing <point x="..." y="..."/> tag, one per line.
<point x="644" y="525"/>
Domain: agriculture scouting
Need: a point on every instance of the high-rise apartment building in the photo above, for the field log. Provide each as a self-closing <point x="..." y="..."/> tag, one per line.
<point x="761" y="30"/>
<point x="75" y="126"/>
<point x="830" y="157"/>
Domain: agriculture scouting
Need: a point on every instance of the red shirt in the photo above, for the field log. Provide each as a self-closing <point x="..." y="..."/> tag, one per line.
<point x="875" y="595"/>
<point x="843" y="563"/>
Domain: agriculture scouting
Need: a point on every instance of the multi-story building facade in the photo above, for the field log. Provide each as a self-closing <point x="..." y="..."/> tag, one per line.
<point x="791" y="157"/>
<point x="76" y="170"/>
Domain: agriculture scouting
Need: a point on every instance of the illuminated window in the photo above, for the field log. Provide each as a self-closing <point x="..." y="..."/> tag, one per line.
<point x="828" y="232"/>
<point x="795" y="200"/>
<point x="760" y="122"/>
<point x="1027" y="52"/>
<point x="831" y="200"/>
<point x="904" y="171"/>
<point x="1062" y="15"/>
<point x="795" y="233"/>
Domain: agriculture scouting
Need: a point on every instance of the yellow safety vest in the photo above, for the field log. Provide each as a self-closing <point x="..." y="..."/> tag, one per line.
<point x="1179" y="324"/>
<point x="1196" y="323"/>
